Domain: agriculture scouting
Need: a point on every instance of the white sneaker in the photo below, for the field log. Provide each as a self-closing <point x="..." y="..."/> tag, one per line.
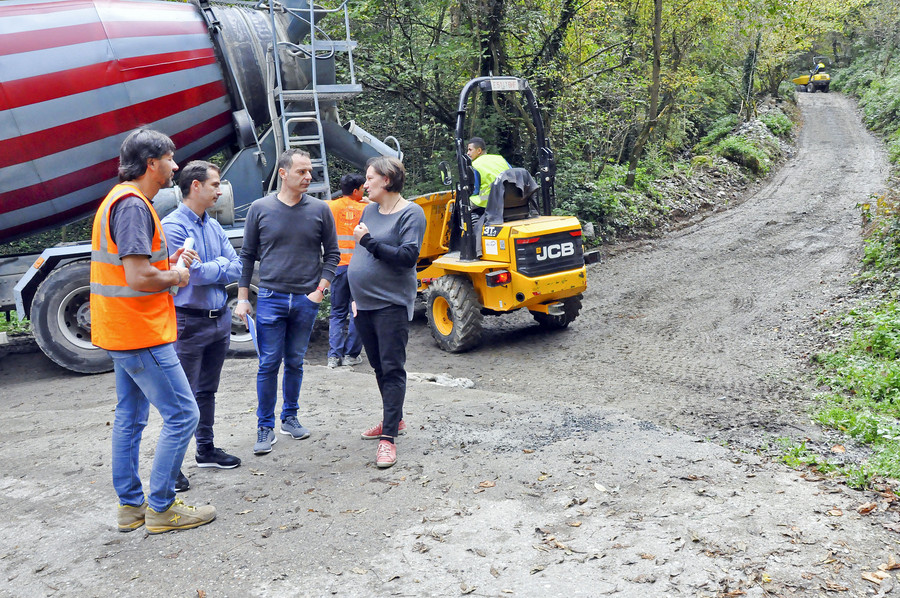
<point x="348" y="360"/>
<point x="334" y="362"/>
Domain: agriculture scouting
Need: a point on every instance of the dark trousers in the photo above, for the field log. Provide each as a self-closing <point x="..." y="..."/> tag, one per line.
<point x="341" y="342"/>
<point x="201" y="347"/>
<point x="384" y="334"/>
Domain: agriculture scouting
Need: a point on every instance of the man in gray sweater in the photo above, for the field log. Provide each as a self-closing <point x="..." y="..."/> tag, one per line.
<point x="292" y="235"/>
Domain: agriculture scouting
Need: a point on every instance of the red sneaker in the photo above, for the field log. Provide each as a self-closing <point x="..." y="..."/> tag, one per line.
<point x="386" y="455"/>
<point x="375" y="433"/>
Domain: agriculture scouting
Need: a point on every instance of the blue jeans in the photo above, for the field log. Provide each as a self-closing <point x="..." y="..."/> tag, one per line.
<point x="144" y="377"/>
<point x="342" y="343"/>
<point x="284" y="322"/>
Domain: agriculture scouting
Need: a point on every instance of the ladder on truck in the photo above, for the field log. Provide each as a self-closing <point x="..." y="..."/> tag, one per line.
<point x="296" y="109"/>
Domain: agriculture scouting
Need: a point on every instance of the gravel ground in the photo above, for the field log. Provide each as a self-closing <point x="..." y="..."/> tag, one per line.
<point x="625" y="455"/>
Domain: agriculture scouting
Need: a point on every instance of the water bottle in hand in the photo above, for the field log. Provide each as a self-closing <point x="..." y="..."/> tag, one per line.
<point x="188" y="244"/>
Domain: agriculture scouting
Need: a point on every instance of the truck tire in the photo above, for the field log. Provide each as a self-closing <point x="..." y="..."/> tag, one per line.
<point x="810" y="88"/>
<point x="571" y="307"/>
<point x="454" y="314"/>
<point x="61" y="320"/>
<point x="241" y="344"/>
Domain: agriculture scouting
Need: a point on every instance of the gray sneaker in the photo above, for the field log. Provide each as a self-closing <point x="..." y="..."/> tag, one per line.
<point x="265" y="438"/>
<point x="334" y="362"/>
<point x="292" y="427"/>
<point x="349" y="360"/>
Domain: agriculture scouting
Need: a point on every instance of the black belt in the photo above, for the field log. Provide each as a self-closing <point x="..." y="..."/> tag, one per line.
<point x="203" y="313"/>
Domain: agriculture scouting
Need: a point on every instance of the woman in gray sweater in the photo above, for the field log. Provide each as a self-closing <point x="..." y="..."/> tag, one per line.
<point x="382" y="277"/>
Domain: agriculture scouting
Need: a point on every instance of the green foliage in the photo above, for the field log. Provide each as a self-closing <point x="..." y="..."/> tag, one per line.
<point x="743" y="151"/>
<point x="874" y="77"/>
<point x="719" y="130"/>
<point x="13" y="325"/>
<point x="863" y="378"/>
<point x="778" y="123"/>
<point x="797" y="455"/>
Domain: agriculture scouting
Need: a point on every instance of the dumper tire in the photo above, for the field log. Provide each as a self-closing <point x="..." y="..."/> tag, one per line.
<point x="810" y="88"/>
<point x="454" y="313"/>
<point x="61" y="320"/>
<point x="571" y="307"/>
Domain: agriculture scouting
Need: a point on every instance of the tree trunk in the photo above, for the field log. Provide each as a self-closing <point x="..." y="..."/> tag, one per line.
<point x="652" y="113"/>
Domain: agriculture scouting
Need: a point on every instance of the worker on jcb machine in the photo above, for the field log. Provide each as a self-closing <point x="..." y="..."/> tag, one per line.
<point x="818" y="68"/>
<point x="487" y="168"/>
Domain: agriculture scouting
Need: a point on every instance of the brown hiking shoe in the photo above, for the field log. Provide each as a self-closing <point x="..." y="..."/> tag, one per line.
<point x="179" y="516"/>
<point x="130" y="517"/>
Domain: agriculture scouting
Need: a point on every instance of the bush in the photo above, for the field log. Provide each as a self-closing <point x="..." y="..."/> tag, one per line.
<point x="741" y="151"/>
<point x="777" y="122"/>
<point x="719" y="130"/>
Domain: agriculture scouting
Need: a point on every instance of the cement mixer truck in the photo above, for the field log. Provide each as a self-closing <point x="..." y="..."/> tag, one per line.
<point x="246" y="81"/>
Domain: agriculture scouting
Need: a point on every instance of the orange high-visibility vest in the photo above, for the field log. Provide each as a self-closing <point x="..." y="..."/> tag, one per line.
<point x="346" y="212"/>
<point x="123" y="319"/>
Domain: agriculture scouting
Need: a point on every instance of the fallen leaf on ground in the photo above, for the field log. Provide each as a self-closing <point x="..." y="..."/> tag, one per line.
<point x="835" y="512"/>
<point x="890" y="565"/>
<point x="838" y="448"/>
<point x="466" y="589"/>
<point x="537" y="569"/>
<point x="866" y="508"/>
<point x="201" y="594"/>
<point x="600" y="487"/>
<point x="487" y="484"/>
<point x="834" y="587"/>
<point x="647" y="556"/>
<point x="543" y="477"/>
<point x="359" y="571"/>
<point x="527" y="451"/>
<point x="574" y="524"/>
<point x="875" y="576"/>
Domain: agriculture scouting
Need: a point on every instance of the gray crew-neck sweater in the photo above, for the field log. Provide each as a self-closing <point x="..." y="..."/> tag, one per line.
<point x="296" y="246"/>
<point x="382" y="271"/>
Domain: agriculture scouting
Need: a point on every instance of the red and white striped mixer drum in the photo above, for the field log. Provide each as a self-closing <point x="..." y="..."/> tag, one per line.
<point x="75" y="77"/>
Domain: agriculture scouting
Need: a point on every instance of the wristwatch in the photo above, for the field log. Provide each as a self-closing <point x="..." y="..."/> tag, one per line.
<point x="323" y="290"/>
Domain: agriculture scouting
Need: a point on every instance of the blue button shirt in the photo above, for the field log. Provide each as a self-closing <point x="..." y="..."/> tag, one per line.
<point x="219" y="263"/>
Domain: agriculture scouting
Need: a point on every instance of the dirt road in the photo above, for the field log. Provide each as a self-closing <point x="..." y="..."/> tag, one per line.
<point x="617" y="457"/>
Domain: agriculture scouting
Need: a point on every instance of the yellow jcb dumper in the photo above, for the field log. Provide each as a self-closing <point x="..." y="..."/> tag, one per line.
<point x="817" y="80"/>
<point x="515" y="255"/>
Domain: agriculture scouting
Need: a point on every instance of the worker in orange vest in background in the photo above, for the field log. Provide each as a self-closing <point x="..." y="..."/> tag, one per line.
<point x="345" y="345"/>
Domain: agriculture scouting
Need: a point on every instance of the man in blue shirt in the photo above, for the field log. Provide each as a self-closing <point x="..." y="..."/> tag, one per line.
<point x="204" y="321"/>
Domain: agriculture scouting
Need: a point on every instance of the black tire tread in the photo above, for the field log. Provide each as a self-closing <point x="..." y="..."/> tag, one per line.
<point x="43" y="322"/>
<point x="467" y="317"/>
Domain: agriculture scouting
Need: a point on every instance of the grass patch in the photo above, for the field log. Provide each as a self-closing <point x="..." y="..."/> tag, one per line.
<point x="862" y="373"/>
<point x="743" y="151"/>
<point x="797" y="455"/>
<point x="777" y="122"/>
<point x="14" y="325"/>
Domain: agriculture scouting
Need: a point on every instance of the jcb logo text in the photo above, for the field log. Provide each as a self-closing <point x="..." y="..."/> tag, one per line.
<point x="555" y="251"/>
